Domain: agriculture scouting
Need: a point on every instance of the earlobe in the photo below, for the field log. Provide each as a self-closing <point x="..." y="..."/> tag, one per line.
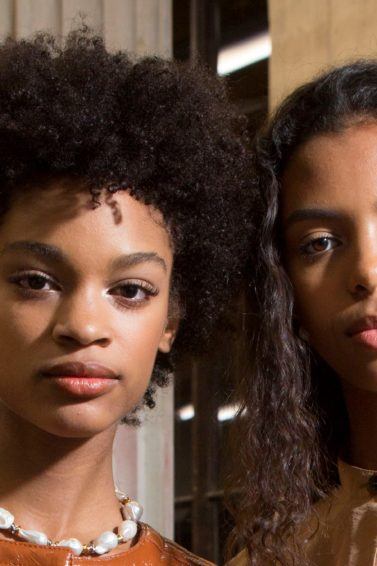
<point x="168" y="336"/>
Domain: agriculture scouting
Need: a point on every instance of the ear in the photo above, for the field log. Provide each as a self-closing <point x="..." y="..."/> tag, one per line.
<point x="168" y="336"/>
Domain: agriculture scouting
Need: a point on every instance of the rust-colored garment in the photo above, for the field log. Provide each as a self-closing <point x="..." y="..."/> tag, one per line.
<point x="150" y="549"/>
<point x="343" y="530"/>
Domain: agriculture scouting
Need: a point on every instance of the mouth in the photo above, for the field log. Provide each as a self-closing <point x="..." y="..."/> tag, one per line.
<point x="364" y="332"/>
<point x="82" y="380"/>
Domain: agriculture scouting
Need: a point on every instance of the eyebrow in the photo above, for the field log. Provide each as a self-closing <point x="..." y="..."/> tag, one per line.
<point x="312" y="214"/>
<point x="130" y="260"/>
<point x="38" y="249"/>
<point x="53" y="253"/>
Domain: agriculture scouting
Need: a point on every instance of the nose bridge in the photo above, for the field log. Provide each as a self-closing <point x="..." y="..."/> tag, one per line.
<point x="363" y="267"/>
<point x="81" y="316"/>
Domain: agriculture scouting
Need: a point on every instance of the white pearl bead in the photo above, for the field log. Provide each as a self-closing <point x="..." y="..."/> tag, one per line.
<point x="132" y="510"/>
<point x="6" y="519"/>
<point x="127" y="529"/>
<point x="105" y="542"/>
<point x="35" y="537"/>
<point x="73" y="543"/>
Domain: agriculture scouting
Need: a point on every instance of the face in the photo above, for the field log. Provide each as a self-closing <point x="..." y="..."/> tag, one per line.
<point x="84" y="297"/>
<point x="329" y="216"/>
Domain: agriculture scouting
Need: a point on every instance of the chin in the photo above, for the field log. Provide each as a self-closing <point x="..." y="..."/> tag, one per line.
<point x="76" y="422"/>
<point x="363" y="380"/>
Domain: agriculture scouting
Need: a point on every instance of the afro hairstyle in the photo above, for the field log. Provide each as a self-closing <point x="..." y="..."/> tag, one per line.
<point x="162" y="130"/>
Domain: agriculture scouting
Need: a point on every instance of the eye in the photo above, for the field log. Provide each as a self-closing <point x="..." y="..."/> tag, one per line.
<point x="33" y="281"/>
<point x="319" y="245"/>
<point x="134" y="293"/>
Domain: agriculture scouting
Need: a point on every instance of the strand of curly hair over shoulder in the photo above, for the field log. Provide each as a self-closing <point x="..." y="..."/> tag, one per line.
<point x="295" y="421"/>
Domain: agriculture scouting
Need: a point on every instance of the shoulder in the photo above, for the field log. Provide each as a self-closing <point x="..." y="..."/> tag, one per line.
<point x="167" y="549"/>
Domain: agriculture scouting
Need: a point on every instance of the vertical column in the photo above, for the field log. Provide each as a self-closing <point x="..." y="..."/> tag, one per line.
<point x="308" y="36"/>
<point x="6" y="18"/>
<point x="143" y="457"/>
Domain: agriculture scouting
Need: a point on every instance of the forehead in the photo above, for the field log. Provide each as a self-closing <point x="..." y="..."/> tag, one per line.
<point x="337" y="169"/>
<point x="62" y="214"/>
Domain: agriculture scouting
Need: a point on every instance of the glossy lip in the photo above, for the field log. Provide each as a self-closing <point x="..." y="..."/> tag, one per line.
<point x="81" y="380"/>
<point x="362" y="325"/>
<point x="78" y="369"/>
<point x="364" y="331"/>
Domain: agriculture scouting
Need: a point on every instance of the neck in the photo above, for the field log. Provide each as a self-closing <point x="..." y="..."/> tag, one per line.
<point x="61" y="486"/>
<point x="362" y="413"/>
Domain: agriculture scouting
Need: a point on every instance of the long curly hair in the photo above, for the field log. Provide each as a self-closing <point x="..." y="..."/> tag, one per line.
<point x="295" y="421"/>
<point x="161" y="130"/>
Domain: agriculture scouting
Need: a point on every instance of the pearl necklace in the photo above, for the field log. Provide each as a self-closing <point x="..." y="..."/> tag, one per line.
<point x="106" y="541"/>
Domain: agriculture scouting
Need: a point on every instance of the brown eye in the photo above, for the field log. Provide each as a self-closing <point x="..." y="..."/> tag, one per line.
<point x="36" y="282"/>
<point x="319" y="245"/>
<point x="33" y="281"/>
<point x="134" y="292"/>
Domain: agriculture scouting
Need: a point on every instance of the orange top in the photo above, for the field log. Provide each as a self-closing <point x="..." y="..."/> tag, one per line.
<point x="150" y="549"/>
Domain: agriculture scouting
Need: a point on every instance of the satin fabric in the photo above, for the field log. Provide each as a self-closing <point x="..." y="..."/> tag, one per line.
<point x="150" y="549"/>
<point x="343" y="529"/>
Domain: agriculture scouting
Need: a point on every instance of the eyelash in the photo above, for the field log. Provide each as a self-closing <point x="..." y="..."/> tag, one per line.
<point x="313" y="255"/>
<point x="149" y="290"/>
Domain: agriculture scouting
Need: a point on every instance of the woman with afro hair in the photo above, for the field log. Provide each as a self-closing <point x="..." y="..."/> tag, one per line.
<point x="308" y="470"/>
<point x="123" y="196"/>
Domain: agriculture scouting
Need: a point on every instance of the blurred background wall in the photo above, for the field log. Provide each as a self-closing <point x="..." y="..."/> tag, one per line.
<point x="141" y="26"/>
<point x="309" y="36"/>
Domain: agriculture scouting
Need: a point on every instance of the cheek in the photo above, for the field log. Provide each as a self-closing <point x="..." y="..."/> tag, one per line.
<point x="139" y="337"/>
<point x="23" y="325"/>
<point x="316" y="306"/>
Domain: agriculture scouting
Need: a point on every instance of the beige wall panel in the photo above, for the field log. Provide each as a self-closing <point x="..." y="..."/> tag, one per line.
<point x="72" y="10"/>
<point x="119" y="24"/>
<point x="352" y="29"/>
<point x="153" y="27"/>
<point x="308" y="36"/>
<point x="165" y="28"/>
<point x="36" y="15"/>
<point x="6" y="18"/>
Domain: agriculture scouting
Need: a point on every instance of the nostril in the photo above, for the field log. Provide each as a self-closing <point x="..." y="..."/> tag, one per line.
<point x="359" y="290"/>
<point x="83" y="336"/>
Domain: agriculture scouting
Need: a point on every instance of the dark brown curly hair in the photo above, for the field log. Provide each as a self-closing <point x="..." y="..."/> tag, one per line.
<point x="295" y="425"/>
<point x="161" y="130"/>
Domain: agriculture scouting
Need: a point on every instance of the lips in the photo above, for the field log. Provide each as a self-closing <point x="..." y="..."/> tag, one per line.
<point x="364" y="332"/>
<point x="79" y="369"/>
<point x="362" y="325"/>
<point x="80" y="380"/>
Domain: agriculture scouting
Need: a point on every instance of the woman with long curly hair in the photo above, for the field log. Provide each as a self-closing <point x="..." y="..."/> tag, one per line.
<point x="307" y="471"/>
<point x="121" y="235"/>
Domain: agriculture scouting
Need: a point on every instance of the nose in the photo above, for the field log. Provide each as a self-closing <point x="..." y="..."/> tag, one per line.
<point x="81" y="321"/>
<point x="363" y="270"/>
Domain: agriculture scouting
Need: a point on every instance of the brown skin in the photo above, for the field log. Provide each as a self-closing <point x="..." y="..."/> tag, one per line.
<point x="56" y="451"/>
<point x="331" y="258"/>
